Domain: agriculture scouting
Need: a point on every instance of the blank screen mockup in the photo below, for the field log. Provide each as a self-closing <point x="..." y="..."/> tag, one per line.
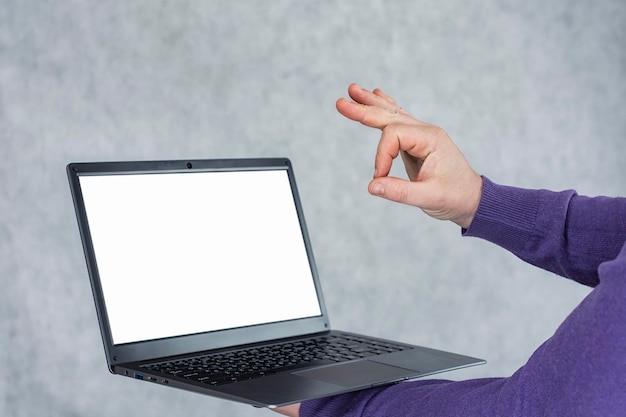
<point x="186" y="253"/>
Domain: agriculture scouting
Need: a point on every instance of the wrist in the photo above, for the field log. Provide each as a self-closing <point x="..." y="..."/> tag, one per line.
<point x="472" y="198"/>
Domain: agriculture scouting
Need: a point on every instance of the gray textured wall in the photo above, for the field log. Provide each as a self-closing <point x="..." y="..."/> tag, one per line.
<point x="533" y="92"/>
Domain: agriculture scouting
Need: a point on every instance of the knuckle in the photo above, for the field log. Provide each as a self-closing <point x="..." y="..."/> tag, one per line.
<point x="437" y="131"/>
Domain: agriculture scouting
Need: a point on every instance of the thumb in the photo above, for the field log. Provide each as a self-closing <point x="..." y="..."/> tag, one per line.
<point x="392" y="188"/>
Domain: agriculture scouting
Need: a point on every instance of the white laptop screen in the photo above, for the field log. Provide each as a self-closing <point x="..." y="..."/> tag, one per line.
<point x="186" y="253"/>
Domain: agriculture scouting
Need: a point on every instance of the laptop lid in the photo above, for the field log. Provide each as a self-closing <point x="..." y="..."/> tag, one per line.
<point x="185" y="256"/>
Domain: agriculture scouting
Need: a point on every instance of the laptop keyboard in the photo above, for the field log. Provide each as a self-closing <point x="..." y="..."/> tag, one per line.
<point x="225" y="368"/>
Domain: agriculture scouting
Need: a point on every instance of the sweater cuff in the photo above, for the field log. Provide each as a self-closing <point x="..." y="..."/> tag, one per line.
<point x="506" y="215"/>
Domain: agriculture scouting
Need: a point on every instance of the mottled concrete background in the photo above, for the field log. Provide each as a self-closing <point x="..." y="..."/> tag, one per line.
<point x="533" y="92"/>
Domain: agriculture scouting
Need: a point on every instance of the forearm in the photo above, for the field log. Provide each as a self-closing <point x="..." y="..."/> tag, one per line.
<point x="562" y="232"/>
<point x="478" y="397"/>
<point x="579" y="371"/>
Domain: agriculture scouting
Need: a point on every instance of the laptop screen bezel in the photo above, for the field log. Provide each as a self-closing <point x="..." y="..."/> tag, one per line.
<point x="181" y="345"/>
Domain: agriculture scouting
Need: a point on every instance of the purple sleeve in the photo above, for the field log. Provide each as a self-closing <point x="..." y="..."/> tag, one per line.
<point x="561" y="232"/>
<point x="581" y="369"/>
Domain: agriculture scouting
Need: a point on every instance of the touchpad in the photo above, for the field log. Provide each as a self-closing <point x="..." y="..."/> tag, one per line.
<point x="356" y="373"/>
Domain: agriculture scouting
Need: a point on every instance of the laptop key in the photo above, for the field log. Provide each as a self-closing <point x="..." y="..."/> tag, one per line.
<point x="220" y="369"/>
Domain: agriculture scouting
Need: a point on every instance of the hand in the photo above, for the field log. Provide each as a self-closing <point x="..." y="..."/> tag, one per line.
<point x="441" y="181"/>
<point x="291" y="410"/>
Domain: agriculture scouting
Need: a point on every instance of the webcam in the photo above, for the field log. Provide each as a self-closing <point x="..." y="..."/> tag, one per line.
<point x="189" y="165"/>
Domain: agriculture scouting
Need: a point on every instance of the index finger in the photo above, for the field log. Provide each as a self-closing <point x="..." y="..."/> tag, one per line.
<point x="417" y="141"/>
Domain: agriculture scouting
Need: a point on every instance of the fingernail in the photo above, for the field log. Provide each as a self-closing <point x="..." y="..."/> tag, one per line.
<point x="378" y="189"/>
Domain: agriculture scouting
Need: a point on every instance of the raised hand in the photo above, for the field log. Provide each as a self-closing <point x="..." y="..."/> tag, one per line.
<point x="440" y="180"/>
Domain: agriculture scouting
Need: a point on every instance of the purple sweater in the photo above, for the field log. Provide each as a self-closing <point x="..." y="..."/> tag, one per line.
<point x="581" y="369"/>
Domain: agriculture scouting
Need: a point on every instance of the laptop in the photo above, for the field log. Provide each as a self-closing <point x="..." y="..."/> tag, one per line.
<point x="204" y="279"/>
